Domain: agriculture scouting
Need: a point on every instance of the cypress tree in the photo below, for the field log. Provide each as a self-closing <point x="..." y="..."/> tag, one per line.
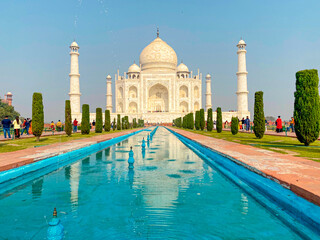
<point x="258" y="119"/>
<point x="99" y="124"/>
<point x="219" y="120"/>
<point x="37" y="115"/>
<point x="191" y="124"/>
<point x="85" y="121"/>
<point x="134" y="123"/>
<point x="68" y="120"/>
<point x="202" y="120"/>
<point x="118" y="122"/>
<point x="114" y="124"/>
<point x="197" y="122"/>
<point x="209" y="120"/>
<point x="234" y="125"/>
<point x="307" y="106"/>
<point x="107" y="121"/>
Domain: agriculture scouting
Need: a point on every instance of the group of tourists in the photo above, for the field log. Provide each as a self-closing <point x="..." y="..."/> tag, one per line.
<point x="17" y="125"/>
<point x="57" y="127"/>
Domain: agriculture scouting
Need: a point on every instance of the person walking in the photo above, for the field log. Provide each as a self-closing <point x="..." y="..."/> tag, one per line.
<point x="279" y="125"/>
<point x="243" y="122"/>
<point x="23" y="126"/>
<point x="59" y="126"/>
<point x="292" y="124"/>
<point x="30" y="126"/>
<point x="75" y="125"/>
<point x="247" y="123"/>
<point x="6" y="123"/>
<point x="16" y="127"/>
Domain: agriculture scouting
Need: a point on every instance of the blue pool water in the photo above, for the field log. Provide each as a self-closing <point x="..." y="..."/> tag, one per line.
<point x="171" y="194"/>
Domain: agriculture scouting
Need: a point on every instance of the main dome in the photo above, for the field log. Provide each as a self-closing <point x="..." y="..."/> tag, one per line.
<point x="158" y="55"/>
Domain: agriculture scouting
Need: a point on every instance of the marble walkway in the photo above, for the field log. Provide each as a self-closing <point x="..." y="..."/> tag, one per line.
<point x="302" y="176"/>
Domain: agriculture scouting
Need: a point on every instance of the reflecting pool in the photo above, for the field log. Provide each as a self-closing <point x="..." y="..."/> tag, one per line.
<point x="170" y="194"/>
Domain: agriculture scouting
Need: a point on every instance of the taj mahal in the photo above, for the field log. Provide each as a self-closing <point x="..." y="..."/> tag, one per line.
<point x="159" y="89"/>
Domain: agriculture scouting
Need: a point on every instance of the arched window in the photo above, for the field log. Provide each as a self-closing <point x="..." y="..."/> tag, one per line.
<point x="183" y="92"/>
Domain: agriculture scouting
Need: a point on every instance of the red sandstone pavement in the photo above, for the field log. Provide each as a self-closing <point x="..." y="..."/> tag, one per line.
<point x="26" y="156"/>
<point x="302" y="176"/>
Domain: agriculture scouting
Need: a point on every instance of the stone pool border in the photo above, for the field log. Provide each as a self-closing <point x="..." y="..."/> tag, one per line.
<point x="294" y="205"/>
<point x="62" y="158"/>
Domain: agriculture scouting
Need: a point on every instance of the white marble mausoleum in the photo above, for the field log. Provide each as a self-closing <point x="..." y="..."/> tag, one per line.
<point x="159" y="89"/>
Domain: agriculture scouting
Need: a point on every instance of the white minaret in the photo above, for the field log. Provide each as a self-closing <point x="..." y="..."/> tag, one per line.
<point x="208" y="92"/>
<point x="74" y="93"/>
<point x="109" y="94"/>
<point x="242" y="93"/>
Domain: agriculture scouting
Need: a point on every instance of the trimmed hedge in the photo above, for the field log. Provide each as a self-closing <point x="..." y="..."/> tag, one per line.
<point x="118" y="122"/>
<point x="68" y="120"/>
<point x="258" y="118"/>
<point x="234" y="125"/>
<point x="107" y="121"/>
<point x="37" y="115"/>
<point x="114" y="124"/>
<point x="209" y="120"/>
<point x="202" y="120"/>
<point x="85" y="121"/>
<point x="197" y="121"/>
<point x="307" y="106"/>
<point x="219" y="120"/>
<point x="99" y="125"/>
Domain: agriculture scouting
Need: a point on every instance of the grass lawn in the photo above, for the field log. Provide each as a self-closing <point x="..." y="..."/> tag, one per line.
<point x="285" y="145"/>
<point x="18" y="144"/>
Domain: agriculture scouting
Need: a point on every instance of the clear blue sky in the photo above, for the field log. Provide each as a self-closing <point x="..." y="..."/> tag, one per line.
<point x="282" y="37"/>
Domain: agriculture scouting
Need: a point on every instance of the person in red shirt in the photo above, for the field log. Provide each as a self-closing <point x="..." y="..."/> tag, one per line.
<point x="75" y="125"/>
<point x="279" y="124"/>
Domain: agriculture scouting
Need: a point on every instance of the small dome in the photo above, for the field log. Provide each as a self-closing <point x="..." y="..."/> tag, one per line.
<point x="182" y="68"/>
<point x="74" y="44"/>
<point x="108" y="77"/>
<point x="208" y="76"/>
<point x="241" y="42"/>
<point x="134" y="68"/>
<point x="9" y="93"/>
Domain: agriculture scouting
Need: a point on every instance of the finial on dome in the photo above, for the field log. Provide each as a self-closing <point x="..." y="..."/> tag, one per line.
<point x="181" y="61"/>
<point x="157" y="31"/>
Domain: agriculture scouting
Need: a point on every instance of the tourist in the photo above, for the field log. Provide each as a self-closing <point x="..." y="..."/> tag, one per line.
<point x="30" y="127"/>
<point x="214" y="124"/>
<point x="16" y="127"/>
<point x="93" y="123"/>
<point x="247" y="123"/>
<point x="279" y="125"/>
<point x="52" y="126"/>
<point x="292" y="124"/>
<point x="75" y="125"/>
<point x="59" y="126"/>
<point x="6" y="123"/>
<point x="266" y="123"/>
<point x="26" y="125"/>
<point x="243" y="123"/>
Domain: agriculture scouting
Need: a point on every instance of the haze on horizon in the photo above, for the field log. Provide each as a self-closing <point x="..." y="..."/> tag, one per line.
<point x="282" y="38"/>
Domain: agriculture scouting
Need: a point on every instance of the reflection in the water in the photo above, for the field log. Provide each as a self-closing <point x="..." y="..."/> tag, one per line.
<point x="37" y="188"/>
<point x="74" y="185"/>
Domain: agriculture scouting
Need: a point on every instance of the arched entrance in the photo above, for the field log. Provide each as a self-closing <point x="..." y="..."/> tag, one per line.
<point x="158" y="100"/>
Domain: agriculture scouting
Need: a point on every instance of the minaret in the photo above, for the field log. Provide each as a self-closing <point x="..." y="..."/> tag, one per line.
<point x="242" y="93"/>
<point x="208" y="92"/>
<point x="74" y="80"/>
<point x="109" y="94"/>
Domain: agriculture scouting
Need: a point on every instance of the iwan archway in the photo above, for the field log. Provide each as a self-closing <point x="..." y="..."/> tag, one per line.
<point x="158" y="100"/>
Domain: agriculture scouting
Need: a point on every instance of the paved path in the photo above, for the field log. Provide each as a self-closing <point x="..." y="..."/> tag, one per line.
<point x="302" y="176"/>
<point x="26" y="156"/>
<point x="269" y="132"/>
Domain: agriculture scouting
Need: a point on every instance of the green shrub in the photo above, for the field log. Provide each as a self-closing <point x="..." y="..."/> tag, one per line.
<point x="202" y="120"/>
<point x="118" y="122"/>
<point x="209" y="120"/>
<point x="258" y="119"/>
<point x="234" y="125"/>
<point x="219" y="120"/>
<point x="99" y="124"/>
<point x="68" y="120"/>
<point x="37" y="115"/>
<point x="107" y="121"/>
<point x="307" y="106"/>
<point x="197" y="121"/>
<point x="114" y="124"/>
<point x="85" y="121"/>
<point x="134" y="123"/>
